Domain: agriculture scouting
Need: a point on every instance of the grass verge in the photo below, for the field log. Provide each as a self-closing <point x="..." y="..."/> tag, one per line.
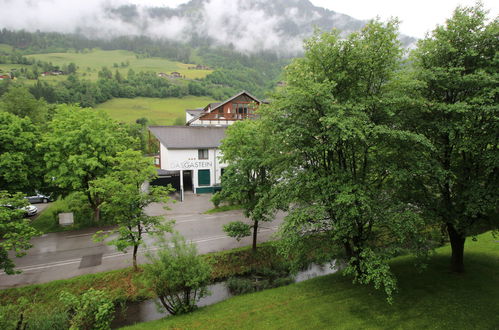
<point x="435" y="298"/>
<point x="223" y="208"/>
<point x="48" y="220"/>
<point x="126" y="285"/>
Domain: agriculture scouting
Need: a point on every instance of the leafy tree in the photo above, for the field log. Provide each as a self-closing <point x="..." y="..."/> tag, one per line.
<point x="19" y="101"/>
<point x="237" y="229"/>
<point x="125" y="200"/>
<point x="247" y="179"/>
<point x="343" y="156"/>
<point x="177" y="275"/>
<point x="92" y="310"/>
<point x="458" y="64"/>
<point x="20" y="163"/>
<point x="79" y="147"/>
<point x="15" y="230"/>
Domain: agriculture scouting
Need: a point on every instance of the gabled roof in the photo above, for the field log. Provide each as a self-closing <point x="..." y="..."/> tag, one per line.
<point x="234" y="97"/>
<point x="188" y="137"/>
<point x="212" y="106"/>
<point x="194" y="112"/>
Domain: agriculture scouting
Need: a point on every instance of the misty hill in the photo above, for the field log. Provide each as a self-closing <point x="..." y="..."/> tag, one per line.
<point x="247" y="26"/>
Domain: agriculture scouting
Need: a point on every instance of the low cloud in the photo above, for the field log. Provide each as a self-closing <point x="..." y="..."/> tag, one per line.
<point x="244" y="24"/>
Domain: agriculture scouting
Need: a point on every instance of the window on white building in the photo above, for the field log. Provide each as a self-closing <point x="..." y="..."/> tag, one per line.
<point x="202" y="153"/>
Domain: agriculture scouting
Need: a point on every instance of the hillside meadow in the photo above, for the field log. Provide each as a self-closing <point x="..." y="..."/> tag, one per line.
<point x="157" y="111"/>
<point x="90" y="63"/>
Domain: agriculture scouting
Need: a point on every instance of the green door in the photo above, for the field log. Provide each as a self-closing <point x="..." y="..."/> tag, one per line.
<point x="203" y="177"/>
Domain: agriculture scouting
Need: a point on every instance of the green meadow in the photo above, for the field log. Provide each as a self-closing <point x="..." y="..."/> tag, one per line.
<point x="431" y="299"/>
<point x="157" y="111"/>
<point x="5" y="48"/>
<point x="89" y="64"/>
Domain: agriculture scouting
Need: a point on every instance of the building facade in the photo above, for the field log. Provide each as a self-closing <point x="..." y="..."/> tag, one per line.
<point x="189" y="156"/>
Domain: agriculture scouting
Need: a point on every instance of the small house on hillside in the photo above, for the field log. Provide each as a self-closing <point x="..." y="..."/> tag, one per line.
<point x="238" y="107"/>
<point x="175" y="75"/>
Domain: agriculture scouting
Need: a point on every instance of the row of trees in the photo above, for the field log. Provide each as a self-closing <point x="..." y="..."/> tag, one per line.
<point x="70" y="149"/>
<point x="371" y="152"/>
<point x="110" y="85"/>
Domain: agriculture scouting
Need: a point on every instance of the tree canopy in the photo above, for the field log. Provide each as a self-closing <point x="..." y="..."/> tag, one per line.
<point x="79" y="147"/>
<point x="15" y="230"/>
<point x="343" y="157"/>
<point x="21" y="164"/>
<point x="247" y="179"/>
<point x="458" y="64"/>
<point x="124" y="198"/>
<point x="19" y="101"/>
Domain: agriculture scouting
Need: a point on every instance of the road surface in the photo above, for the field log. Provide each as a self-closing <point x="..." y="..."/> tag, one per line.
<point x="64" y="255"/>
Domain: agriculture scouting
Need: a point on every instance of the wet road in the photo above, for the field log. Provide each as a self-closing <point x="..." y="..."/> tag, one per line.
<point x="67" y="254"/>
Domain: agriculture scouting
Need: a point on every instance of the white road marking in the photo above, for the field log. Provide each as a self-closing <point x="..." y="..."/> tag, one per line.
<point x="89" y="234"/>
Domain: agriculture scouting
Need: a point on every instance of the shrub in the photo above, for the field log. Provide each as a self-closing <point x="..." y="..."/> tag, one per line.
<point x="237" y="229"/>
<point x="260" y="279"/>
<point x="216" y="199"/>
<point x="177" y="275"/>
<point x="93" y="310"/>
<point x="237" y="285"/>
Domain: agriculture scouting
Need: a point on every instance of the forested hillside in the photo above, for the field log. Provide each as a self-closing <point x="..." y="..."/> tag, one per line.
<point x="91" y="84"/>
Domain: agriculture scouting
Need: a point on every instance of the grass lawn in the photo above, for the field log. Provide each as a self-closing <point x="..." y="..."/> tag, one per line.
<point x="47" y="221"/>
<point x="89" y="64"/>
<point x="223" y="208"/>
<point x="433" y="299"/>
<point x="158" y="111"/>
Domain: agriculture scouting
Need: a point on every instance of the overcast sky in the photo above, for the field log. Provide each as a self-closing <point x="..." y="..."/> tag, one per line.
<point x="417" y="16"/>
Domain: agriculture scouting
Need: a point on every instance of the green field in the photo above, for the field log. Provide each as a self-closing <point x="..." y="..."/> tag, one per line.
<point x="158" y="111"/>
<point x="7" y="68"/>
<point x="432" y="299"/>
<point x="89" y="64"/>
<point x="5" y="48"/>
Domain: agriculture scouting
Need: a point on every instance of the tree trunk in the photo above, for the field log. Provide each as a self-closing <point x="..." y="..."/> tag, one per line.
<point x="457" y="245"/>
<point x="348" y="250"/>
<point x="255" y="233"/>
<point x="135" y="249"/>
<point x="96" y="213"/>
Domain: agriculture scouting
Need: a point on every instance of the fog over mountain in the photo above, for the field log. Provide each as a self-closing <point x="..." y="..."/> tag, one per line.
<point x="245" y="25"/>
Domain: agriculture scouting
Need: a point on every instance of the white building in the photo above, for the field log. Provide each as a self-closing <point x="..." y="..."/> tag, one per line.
<point x="189" y="156"/>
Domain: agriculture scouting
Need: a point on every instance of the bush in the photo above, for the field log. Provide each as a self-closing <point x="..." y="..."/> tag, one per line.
<point x="177" y="275"/>
<point x="92" y="310"/>
<point x="260" y="279"/>
<point x="237" y="285"/>
<point x="237" y="229"/>
<point x="216" y="199"/>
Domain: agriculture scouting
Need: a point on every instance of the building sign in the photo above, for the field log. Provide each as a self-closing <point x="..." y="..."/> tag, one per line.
<point x="190" y="164"/>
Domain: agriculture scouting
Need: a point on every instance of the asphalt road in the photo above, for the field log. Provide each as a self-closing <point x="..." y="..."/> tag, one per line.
<point x="64" y="255"/>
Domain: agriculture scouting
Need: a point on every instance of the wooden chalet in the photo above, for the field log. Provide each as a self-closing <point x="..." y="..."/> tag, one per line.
<point x="239" y="107"/>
